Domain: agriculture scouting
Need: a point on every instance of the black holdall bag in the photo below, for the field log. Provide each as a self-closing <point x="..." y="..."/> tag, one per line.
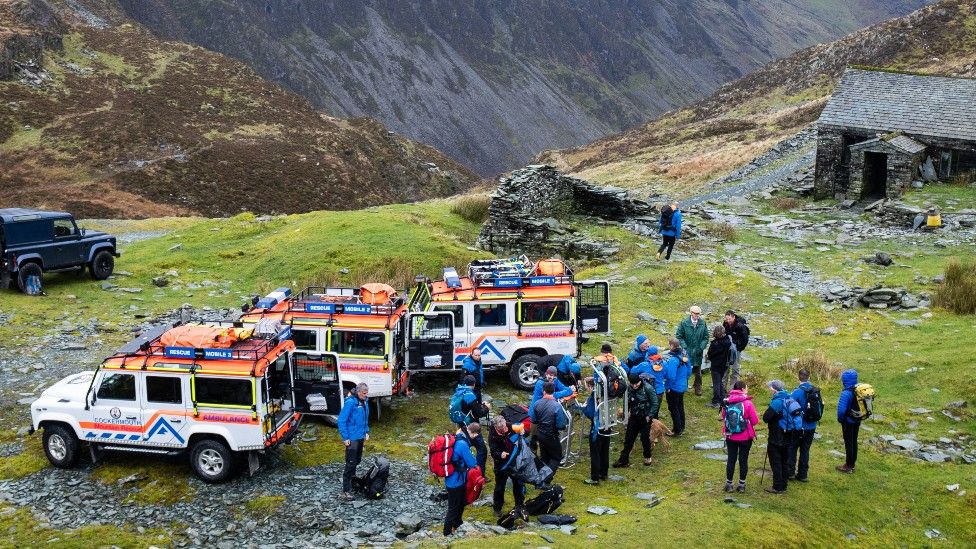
<point x="546" y="502"/>
<point x="373" y="483"/>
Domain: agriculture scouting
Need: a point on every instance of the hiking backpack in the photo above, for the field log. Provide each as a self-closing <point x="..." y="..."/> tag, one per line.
<point x="733" y="352"/>
<point x="440" y="452"/>
<point x="667" y="218"/>
<point x="815" y="405"/>
<point x="455" y="409"/>
<point x="517" y="414"/>
<point x="546" y="502"/>
<point x="791" y="415"/>
<point x="616" y="385"/>
<point x="745" y="332"/>
<point x="864" y="397"/>
<point x="373" y="483"/>
<point x="473" y="484"/>
<point x="735" y="418"/>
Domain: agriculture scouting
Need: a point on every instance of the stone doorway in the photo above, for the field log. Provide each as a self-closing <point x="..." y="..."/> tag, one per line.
<point x="875" y="175"/>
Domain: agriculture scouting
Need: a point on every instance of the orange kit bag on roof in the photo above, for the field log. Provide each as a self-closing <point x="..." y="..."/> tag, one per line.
<point x="376" y="293"/>
<point x="199" y="337"/>
<point x="550" y="267"/>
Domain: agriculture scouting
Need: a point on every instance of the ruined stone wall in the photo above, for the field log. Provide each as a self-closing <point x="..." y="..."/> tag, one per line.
<point x="830" y="153"/>
<point x="902" y="170"/>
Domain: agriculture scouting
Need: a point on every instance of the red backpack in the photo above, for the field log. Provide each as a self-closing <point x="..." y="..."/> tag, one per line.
<point x="440" y="452"/>
<point x="475" y="482"/>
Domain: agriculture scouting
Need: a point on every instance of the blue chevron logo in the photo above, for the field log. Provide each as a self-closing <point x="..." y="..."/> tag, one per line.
<point x="162" y="427"/>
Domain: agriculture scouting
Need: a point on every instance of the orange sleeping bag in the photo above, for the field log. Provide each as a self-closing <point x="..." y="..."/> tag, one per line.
<point x="550" y="267"/>
<point x="377" y="293"/>
<point x="200" y="337"/>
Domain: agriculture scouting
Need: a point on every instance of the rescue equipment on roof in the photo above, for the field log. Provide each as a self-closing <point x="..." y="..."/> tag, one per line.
<point x="376" y="293"/>
<point x="196" y="336"/>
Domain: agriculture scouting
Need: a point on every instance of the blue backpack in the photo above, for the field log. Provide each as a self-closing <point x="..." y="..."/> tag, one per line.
<point x="791" y="415"/>
<point x="455" y="411"/>
<point x="735" y="419"/>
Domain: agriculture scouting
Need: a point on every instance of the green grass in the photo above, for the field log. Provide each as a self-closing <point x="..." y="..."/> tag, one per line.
<point x="21" y="529"/>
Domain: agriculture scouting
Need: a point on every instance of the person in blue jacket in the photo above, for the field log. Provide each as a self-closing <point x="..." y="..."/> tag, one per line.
<point x="472" y="367"/>
<point x="670" y="229"/>
<point x="472" y="410"/>
<point x="652" y="369"/>
<point x="804" y="439"/>
<point x="354" y="431"/>
<point x="562" y="391"/>
<point x="676" y="372"/>
<point x="638" y="353"/>
<point x="850" y="424"/>
<point x="456" y="482"/>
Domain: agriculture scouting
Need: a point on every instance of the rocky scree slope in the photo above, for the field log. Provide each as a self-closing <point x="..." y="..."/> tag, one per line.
<point x="683" y="149"/>
<point x="493" y="83"/>
<point x="101" y="118"/>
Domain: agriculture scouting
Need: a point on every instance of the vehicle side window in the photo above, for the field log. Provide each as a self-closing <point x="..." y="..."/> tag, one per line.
<point x="27" y="232"/>
<point x="166" y="389"/>
<point x="223" y="392"/>
<point x="305" y="340"/>
<point x="542" y="312"/>
<point x="117" y="387"/>
<point x="64" y="228"/>
<point x="456" y="310"/>
<point x="358" y="343"/>
<point x="489" y="315"/>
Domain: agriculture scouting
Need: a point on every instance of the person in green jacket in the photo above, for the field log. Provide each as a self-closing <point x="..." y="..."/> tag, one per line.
<point x="642" y="405"/>
<point x="692" y="334"/>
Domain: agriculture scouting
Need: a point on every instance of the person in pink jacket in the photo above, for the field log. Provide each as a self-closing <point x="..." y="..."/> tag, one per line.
<point x="739" y="420"/>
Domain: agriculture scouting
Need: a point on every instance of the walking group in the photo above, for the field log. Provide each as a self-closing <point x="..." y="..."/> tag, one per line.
<point x="526" y="443"/>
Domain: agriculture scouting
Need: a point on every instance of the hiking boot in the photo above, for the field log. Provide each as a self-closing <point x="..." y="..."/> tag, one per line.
<point x="845" y="469"/>
<point x="604" y="477"/>
<point x="728" y="486"/>
<point x="741" y="488"/>
<point x="346" y="496"/>
<point x="498" y="513"/>
<point x="772" y="490"/>
<point x="648" y="461"/>
<point x="804" y="479"/>
<point x="591" y="482"/>
<point x="618" y="464"/>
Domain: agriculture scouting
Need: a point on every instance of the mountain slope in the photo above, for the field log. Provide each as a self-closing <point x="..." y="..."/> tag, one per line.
<point x="678" y="152"/>
<point x="109" y="121"/>
<point x="492" y="83"/>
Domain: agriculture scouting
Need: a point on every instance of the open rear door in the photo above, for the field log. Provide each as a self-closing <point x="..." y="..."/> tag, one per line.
<point x="593" y="306"/>
<point x="430" y="341"/>
<point x="316" y="382"/>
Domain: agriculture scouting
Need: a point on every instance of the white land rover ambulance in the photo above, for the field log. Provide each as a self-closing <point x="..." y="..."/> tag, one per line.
<point x="217" y="391"/>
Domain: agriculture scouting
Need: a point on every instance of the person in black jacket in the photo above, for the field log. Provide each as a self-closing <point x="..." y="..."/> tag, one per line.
<point x="735" y="326"/>
<point x="502" y="442"/>
<point x="718" y="357"/>
<point x="779" y="440"/>
<point x="550" y="418"/>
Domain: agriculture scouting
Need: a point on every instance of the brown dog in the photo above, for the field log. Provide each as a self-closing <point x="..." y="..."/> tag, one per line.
<point x="658" y="430"/>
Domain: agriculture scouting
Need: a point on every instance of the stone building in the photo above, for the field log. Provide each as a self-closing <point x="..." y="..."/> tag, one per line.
<point x="880" y="128"/>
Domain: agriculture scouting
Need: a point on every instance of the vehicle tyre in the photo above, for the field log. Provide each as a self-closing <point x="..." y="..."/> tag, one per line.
<point x="26" y="271"/>
<point x="102" y="265"/>
<point x="524" y="372"/>
<point x="61" y="446"/>
<point x="212" y="461"/>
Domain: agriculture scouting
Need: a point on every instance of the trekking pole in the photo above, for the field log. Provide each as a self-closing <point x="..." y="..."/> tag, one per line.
<point x="762" y="473"/>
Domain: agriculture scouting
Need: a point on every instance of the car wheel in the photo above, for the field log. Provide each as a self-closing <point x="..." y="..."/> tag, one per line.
<point x="61" y="446"/>
<point x="30" y="278"/>
<point x="524" y="372"/>
<point x="212" y="461"/>
<point x="102" y="265"/>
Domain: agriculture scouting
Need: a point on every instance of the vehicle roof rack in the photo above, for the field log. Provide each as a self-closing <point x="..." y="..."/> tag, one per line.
<point x="517" y="272"/>
<point x="334" y="301"/>
<point x="249" y="349"/>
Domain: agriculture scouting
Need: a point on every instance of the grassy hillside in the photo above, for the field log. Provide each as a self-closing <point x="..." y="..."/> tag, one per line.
<point x="121" y="124"/>
<point x="683" y="149"/>
<point x="891" y="500"/>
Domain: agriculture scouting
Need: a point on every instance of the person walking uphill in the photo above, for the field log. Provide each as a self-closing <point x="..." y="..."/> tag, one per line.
<point x="472" y="367"/>
<point x="465" y="409"/>
<point x="850" y="421"/>
<point x="676" y="370"/>
<point x="503" y="442"/>
<point x="692" y="334"/>
<point x="354" y="431"/>
<point x="549" y="420"/>
<point x="456" y="483"/>
<point x="642" y="405"/>
<point x="670" y="229"/>
<point x="779" y="437"/>
<point x="719" y="351"/>
<point x="808" y="397"/>
<point x="739" y="420"/>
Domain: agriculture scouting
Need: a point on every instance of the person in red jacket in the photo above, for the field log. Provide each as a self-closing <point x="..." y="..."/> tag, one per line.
<point x="739" y="420"/>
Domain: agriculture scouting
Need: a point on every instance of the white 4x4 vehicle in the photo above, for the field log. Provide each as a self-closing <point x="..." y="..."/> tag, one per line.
<point x="218" y="392"/>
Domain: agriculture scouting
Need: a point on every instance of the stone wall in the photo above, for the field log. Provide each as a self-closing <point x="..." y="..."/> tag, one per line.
<point x="530" y="210"/>
<point x="902" y="168"/>
<point x="830" y="153"/>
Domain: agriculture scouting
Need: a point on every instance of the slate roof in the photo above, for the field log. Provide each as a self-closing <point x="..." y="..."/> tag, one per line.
<point x="932" y="106"/>
<point x="903" y="143"/>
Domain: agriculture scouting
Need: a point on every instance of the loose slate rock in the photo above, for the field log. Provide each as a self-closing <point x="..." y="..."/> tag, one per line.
<point x="907" y="444"/>
<point x="716" y="457"/>
<point x="600" y="510"/>
<point x="709" y="445"/>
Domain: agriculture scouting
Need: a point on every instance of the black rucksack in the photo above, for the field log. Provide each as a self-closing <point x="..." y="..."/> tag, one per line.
<point x="745" y="333"/>
<point x="556" y="520"/>
<point x="667" y="217"/>
<point x="546" y="502"/>
<point x="373" y="483"/>
<point x="815" y="405"/>
<point x="616" y="385"/>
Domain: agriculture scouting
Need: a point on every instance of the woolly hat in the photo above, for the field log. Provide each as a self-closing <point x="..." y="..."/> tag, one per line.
<point x="641" y="339"/>
<point x="776" y="385"/>
<point x="652" y="350"/>
<point x="552" y="371"/>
